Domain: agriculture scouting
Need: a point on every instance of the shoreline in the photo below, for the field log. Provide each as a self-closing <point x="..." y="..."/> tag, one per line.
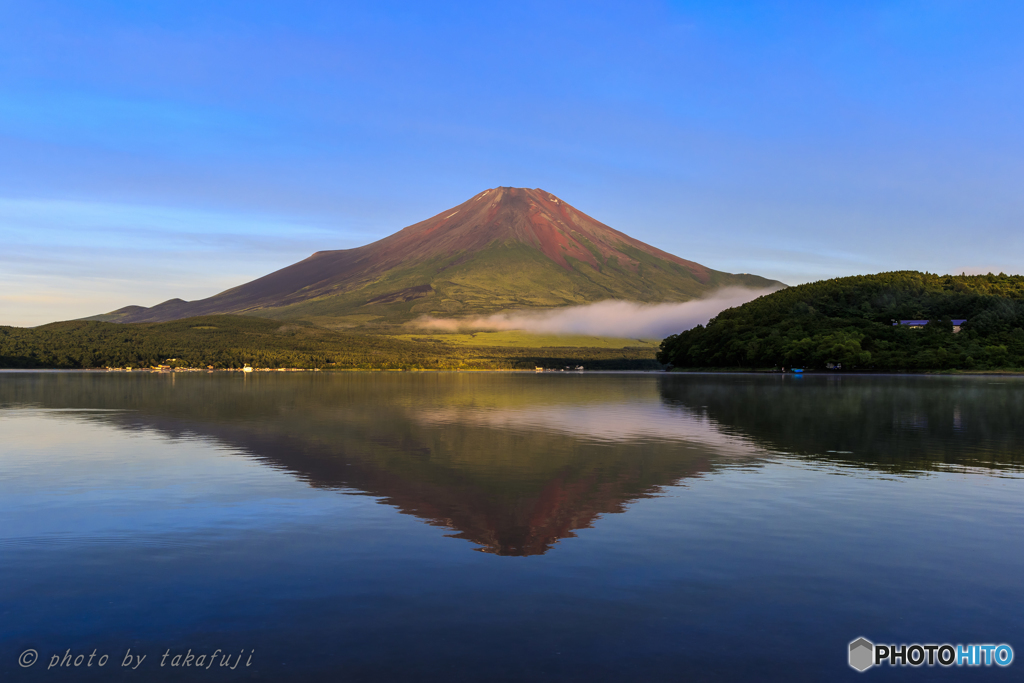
<point x="274" y="371"/>
<point x="848" y="373"/>
<point x="674" y="371"/>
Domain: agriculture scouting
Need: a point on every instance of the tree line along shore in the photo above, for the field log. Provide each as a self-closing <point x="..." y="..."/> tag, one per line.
<point x="234" y="342"/>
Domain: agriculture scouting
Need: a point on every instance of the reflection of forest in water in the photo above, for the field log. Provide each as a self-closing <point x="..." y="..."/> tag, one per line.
<point x="889" y="423"/>
<point x="516" y="462"/>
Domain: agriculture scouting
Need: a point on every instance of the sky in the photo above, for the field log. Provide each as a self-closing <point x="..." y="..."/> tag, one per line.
<point x="174" y="149"/>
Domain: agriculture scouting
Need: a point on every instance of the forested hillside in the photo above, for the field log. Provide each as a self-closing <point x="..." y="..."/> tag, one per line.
<point x="850" y="321"/>
<point x="234" y="341"/>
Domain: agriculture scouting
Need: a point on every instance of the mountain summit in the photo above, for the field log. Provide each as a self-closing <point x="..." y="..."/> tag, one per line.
<point x="505" y="248"/>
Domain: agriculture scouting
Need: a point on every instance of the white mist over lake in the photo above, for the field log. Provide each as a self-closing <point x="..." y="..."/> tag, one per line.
<point x="611" y="318"/>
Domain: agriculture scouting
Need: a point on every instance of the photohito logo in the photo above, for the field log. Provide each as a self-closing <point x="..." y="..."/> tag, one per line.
<point x="864" y="654"/>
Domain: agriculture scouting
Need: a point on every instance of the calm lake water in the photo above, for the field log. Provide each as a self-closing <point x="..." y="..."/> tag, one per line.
<point x="506" y="527"/>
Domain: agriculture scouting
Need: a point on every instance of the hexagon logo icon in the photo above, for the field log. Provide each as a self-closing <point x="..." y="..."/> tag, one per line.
<point x="862" y="654"/>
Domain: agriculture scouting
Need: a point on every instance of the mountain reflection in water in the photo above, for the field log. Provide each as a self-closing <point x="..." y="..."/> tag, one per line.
<point x="514" y="463"/>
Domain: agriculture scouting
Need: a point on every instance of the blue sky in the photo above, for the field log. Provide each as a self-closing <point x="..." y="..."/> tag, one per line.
<point x="174" y="149"/>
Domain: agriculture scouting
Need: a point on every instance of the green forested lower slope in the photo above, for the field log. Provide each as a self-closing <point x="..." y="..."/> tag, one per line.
<point x="849" y="321"/>
<point x="234" y="341"/>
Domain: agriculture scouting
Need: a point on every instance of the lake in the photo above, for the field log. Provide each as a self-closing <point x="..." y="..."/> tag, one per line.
<point x="505" y="526"/>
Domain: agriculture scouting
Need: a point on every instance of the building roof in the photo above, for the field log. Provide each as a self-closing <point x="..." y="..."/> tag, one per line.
<point x="925" y="322"/>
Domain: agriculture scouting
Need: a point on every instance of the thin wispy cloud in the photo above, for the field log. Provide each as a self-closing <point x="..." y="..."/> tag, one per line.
<point x="64" y="259"/>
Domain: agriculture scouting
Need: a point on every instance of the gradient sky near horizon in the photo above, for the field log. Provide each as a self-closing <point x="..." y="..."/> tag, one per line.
<point x="174" y="149"/>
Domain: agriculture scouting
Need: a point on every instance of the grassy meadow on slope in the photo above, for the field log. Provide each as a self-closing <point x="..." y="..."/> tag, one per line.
<point x="850" y="321"/>
<point x="235" y="341"/>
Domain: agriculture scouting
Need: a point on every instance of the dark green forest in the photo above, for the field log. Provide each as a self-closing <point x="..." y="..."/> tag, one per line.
<point x="235" y="341"/>
<point x="850" y="321"/>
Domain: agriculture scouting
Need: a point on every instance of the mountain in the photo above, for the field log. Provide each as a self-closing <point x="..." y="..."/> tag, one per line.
<point x="505" y="248"/>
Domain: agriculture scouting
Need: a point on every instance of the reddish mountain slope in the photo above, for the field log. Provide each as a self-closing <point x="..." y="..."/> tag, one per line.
<point x="505" y="247"/>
